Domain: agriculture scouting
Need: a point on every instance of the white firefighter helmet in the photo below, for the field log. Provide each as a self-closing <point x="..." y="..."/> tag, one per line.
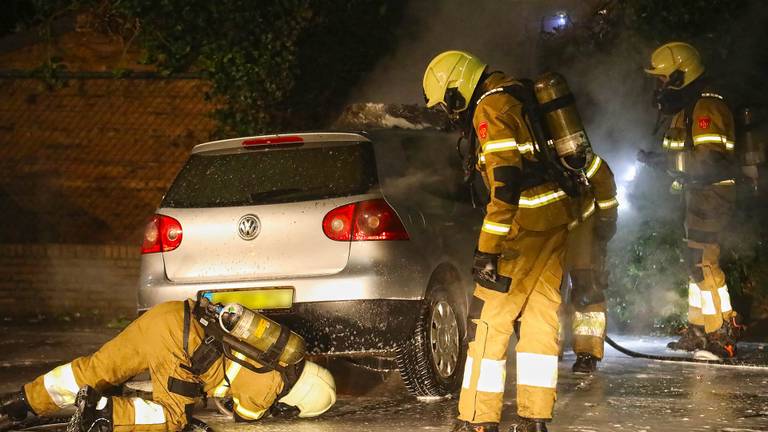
<point x="314" y="392"/>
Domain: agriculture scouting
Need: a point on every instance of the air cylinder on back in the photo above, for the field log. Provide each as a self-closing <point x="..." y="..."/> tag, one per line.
<point x="750" y="144"/>
<point x="262" y="333"/>
<point x="563" y="120"/>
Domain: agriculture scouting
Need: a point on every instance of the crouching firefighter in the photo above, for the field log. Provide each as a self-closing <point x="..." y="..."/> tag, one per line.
<point x="191" y="349"/>
<point x="700" y="151"/>
<point x="518" y="261"/>
<point x="585" y="263"/>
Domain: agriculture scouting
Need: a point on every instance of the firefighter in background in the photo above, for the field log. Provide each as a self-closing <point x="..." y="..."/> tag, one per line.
<point x="518" y="261"/>
<point x="700" y="157"/>
<point x="585" y="263"/>
<point x="185" y="363"/>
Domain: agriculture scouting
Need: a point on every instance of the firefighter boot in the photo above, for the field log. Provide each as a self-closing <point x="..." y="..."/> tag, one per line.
<point x="693" y="339"/>
<point x="465" y="426"/>
<point x="721" y="342"/>
<point x="92" y="412"/>
<point x="522" y="424"/>
<point x="14" y="406"/>
<point x="585" y="363"/>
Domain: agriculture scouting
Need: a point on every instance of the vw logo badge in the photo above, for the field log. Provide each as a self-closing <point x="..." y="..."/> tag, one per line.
<point x="249" y="227"/>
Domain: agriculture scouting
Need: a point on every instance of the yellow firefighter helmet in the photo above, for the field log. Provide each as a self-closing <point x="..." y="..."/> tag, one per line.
<point x="314" y="392"/>
<point x="677" y="62"/>
<point x="450" y="80"/>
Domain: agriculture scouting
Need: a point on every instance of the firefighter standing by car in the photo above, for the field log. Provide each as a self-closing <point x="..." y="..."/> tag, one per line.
<point x="700" y="157"/>
<point x="585" y="263"/>
<point x="518" y="260"/>
<point x="190" y="349"/>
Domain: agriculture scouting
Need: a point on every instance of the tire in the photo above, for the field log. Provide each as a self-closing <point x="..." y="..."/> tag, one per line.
<point x="431" y="360"/>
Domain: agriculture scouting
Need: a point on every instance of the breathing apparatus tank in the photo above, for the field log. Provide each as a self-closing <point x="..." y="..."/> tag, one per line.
<point x="750" y="144"/>
<point x="563" y="122"/>
<point x="266" y="336"/>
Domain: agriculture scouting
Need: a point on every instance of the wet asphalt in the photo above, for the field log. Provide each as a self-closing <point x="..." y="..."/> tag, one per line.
<point x="626" y="394"/>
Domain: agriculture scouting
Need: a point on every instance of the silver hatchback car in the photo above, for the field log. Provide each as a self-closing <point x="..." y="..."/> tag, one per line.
<point x="360" y="243"/>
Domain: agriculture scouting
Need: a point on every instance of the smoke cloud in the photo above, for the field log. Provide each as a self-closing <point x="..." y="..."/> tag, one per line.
<point x="503" y="32"/>
<point x="611" y="90"/>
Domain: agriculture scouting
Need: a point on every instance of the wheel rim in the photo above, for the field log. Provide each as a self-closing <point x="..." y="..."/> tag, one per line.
<point x="444" y="339"/>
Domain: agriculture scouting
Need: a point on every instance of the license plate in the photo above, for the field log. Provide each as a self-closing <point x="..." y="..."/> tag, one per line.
<point x="261" y="298"/>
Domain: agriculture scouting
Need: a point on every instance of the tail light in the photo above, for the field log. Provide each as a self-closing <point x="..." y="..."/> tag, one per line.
<point x="162" y="234"/>
<point x="362" y="221"/>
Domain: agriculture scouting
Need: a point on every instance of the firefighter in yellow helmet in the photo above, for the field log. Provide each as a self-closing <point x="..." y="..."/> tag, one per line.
<point x="518" y="261"/>
<point x="700" y="158"/>
<point x="585" y="263"/>
<point x="186" y="362"/>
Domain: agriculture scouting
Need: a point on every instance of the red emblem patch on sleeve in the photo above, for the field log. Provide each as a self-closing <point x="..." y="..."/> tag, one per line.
<point x="704" y="122"/>
<point x="482" y="130"/>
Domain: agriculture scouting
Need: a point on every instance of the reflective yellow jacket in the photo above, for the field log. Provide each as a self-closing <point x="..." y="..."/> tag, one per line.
<point x="710" y="148"/>
<point x="507" y="161"/>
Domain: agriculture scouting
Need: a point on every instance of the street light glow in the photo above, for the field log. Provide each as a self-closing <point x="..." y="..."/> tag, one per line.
<point x="630" y="173"/>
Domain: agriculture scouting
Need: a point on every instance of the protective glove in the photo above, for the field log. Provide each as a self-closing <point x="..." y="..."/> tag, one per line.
<point x="644" y="156"/>
<point x="652" y="159"/>
<point x="605" y="229"/>
<point x="681" y="177"/>
<point x="485" y="272"/>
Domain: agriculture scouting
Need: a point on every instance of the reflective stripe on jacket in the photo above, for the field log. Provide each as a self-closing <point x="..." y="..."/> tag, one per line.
<point x="504" y="142"/>
<point x="710" y="148"/>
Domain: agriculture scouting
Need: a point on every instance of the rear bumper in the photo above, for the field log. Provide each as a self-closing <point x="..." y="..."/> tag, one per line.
<point x="361" y="310"/>
<point x="370" y="327"/>
<point x="351" y="328"/>
<point x="376" y="271"/>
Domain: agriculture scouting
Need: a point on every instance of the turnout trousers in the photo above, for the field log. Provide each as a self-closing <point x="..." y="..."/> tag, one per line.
<point x="137" y="348"/>
<point x="585" y="261"/>
<point x="533" y="260"/>
<point x="707" y="211"/>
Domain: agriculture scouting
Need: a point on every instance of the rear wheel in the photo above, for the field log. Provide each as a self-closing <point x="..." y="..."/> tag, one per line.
<point x="431" y="361"/>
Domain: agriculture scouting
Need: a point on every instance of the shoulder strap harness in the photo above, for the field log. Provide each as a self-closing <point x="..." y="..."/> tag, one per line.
<point x="547" y="168"/>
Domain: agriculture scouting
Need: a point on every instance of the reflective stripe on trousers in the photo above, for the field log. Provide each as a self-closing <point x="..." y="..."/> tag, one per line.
<point x="589" y="327"/>
<point x="708" y="307"/>
<point x="61" y="385"/>
<point x="589" y="324"/>
<point x="493" y="374"/>
<point x="147" y="412"/>
<point x="539" y="267"/>
<point x="536" y="370"/>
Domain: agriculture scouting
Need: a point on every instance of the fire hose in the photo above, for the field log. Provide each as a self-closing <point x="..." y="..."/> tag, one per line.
<point x="732" y="362"/>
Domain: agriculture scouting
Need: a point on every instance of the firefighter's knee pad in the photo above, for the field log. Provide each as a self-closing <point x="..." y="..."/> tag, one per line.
<point x="585" y="288"/>
<point x="475" y="309"/>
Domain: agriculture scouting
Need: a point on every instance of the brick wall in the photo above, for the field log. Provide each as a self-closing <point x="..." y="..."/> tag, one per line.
<point x="89" y="162"/>
<point x="82" y="168"/>
<point x="83" y="165"/>
<point x="55" y="281"/>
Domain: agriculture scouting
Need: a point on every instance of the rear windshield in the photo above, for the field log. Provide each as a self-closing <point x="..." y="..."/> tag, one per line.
<point x="273" y="176"/>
